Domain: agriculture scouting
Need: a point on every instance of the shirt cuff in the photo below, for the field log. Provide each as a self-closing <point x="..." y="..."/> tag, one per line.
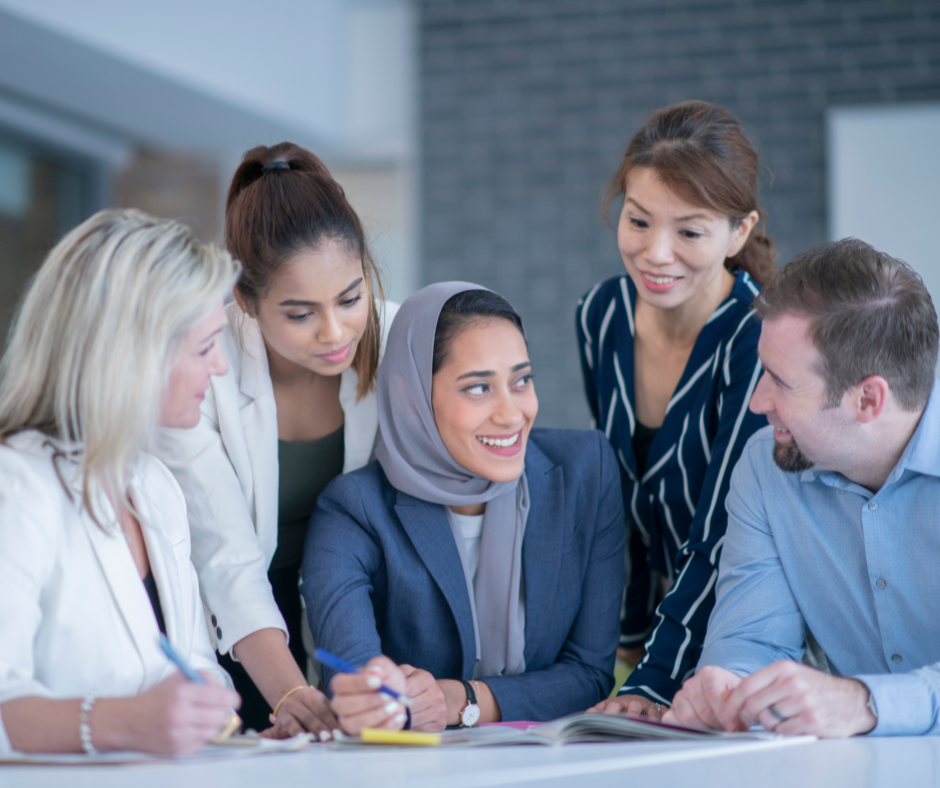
<point x="904" y="703"/>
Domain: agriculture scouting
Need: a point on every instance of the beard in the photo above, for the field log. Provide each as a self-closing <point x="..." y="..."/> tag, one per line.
<point x="789" y="458"/>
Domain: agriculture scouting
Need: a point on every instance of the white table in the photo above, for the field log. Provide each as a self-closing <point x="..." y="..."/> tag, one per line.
<point x="854" y="763"/>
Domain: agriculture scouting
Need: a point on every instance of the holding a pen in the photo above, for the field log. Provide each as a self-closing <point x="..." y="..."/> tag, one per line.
<point x="373" y="697"/>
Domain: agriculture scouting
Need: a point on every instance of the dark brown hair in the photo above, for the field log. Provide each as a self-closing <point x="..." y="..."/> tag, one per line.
<point x="698" y="150"/>
<point x="272" y="213"/>
<point x="870" y="314"/>
<point x="464" y="308"/>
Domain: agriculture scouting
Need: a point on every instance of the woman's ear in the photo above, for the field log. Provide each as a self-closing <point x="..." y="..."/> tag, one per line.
<point x="741" y="233"/>
<point x="244" y="303"/>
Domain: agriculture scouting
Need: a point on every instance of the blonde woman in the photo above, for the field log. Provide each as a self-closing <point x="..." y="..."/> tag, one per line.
<point x="297" y="408"/>
<point x="117" y="334"/>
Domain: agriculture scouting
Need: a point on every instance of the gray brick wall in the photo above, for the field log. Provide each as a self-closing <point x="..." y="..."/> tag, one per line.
<point x="527" y="105"/>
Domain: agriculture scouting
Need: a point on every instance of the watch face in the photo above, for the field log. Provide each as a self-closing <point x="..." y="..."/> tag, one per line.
<point x="470" y="715"/>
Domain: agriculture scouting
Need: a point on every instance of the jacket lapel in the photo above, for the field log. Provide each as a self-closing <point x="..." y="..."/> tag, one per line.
<point x="127" y="589"/>
<point x="258" y="413"/>
<point x="427" y="528"/>
<point x="543" y="542"/>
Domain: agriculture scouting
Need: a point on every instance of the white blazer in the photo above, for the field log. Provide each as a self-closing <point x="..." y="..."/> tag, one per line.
<point x="228" y="469"/>
<point x="75" y="617"/>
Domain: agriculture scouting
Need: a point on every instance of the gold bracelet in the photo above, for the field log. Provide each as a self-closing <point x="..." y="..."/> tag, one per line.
<point x="273" y="715"/>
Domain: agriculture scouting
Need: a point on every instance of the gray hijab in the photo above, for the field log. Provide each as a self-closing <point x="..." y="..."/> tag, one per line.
<point x="415" y="460"/>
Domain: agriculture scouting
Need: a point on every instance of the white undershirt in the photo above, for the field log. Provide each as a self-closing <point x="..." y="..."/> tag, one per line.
<point x="471" y="526"/>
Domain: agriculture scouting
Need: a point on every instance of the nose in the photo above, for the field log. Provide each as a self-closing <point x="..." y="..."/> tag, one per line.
<point x="659" y="251"/>
<point x="330" y="329"/>
<point x="762" y="399"/>
<point x="219" y="363"/>
<point x="506" y="412"/>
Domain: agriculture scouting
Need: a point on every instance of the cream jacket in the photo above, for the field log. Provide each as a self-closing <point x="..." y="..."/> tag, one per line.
<point x="74" y="614"/>
<point x="228" y="469"/>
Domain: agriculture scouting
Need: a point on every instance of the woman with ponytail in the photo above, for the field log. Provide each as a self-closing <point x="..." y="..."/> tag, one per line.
<point x="669" y="357"/>
<point x="304" y="338"/>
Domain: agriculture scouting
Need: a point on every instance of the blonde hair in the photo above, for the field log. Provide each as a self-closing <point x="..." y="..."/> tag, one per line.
<point x="96" y="335"/>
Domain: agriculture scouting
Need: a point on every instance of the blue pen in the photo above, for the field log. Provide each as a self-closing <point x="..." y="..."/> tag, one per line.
<point x="332" y="661"/>
<point x="177" y="660"/>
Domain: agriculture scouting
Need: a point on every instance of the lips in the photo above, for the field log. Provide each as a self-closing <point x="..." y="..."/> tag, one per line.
<point x="337" y="356"/>
<point x="659" y="283"/>
<point x="502" y="445"/>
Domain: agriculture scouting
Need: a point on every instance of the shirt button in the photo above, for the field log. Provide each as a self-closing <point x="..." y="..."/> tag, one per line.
<point x="215" y="621"/>
<point x="880" y="583"/>
<point x="872" y="505"/>
<point x="218" y="634"/>
<point x="896" y="657"/>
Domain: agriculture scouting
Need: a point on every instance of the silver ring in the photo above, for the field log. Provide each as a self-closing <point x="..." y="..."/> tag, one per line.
<point x="777" y="715"/>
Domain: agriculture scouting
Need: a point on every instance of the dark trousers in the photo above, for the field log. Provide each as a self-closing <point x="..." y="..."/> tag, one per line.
<point x="254" y="710"/>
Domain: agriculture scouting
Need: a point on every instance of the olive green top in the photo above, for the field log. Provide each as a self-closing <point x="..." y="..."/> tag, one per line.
<point x="304" y="471"/>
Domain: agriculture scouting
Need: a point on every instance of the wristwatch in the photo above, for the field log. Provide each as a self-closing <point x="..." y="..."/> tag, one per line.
<point x="470" y="714"/>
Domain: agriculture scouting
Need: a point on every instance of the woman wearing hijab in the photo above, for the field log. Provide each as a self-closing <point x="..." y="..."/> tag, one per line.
<point x="482" y="557"/>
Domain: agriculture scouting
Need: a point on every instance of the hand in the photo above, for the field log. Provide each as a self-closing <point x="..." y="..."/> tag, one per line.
<point x="429" y="712"/>
<point x="305" y="710"/>
<point x="632" y="656"/>
<point x="175" y="717"/>
<point x="810" y="701"/>
<point x="358" y="703"/>
<point x="636" y="705"/>
<point x="702" y="700"/>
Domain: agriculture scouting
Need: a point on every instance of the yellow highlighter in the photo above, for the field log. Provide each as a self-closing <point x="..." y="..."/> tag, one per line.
<point x="378" y="736"/>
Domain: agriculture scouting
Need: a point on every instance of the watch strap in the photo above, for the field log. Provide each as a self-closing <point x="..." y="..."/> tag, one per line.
<point x="471" y="695"/>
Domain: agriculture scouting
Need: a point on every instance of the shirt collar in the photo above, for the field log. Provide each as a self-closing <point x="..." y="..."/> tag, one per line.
<point x="919" y="456"/>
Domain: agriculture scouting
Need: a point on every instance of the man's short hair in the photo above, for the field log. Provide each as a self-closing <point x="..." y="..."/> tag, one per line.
<point x="869" y="313"/>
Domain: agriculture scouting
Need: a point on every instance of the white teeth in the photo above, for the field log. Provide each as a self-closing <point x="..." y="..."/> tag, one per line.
<point x="501" y="443"/>
<point x="661" y="280"/>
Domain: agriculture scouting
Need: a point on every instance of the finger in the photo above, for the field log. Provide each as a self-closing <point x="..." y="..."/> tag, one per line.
<point x="313" y="703"/>
<point x="391" y="717"/>
<point x="306" y="719"/>
<point x="354" y="705"/>
<point x="635" y="708"/>
<point x="353" y="683"/>
<point x="757" y="708"/>
<point x="654" y="711"/>
<point x="753" y="684"/>
<point x="683" y="712"/>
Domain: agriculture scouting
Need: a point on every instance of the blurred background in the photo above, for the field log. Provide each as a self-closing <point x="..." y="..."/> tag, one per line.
<point x="474" y="137"/>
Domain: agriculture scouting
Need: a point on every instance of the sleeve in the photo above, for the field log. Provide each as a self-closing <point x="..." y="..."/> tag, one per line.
<point x="583" y="331"/>
<point x="229" y="561"/>
<point x="342" y="556"/>
<point x="28" y="543"/>
<point x="582" y="673"/>
<point x="908" y="704"/>
<point x="682" y="617"/>
<point x="756" y="620"/>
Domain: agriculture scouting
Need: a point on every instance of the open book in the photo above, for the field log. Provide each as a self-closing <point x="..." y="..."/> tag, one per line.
<point x="574" y="729"/>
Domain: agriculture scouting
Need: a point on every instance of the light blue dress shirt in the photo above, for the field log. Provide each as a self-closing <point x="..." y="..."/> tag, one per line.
<point x="861" y="571"/>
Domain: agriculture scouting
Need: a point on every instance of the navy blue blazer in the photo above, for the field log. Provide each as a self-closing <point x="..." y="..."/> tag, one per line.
<point x="382" y="575"/>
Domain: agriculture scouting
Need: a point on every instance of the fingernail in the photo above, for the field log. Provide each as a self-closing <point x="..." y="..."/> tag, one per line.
<point x="325" y="736"/>
<point x="401" y="718"/>
<point x="337" y="733"/>
<point x="390" y="707"/>
<point x="374" y="682"/>
<point x="386" y="697"/>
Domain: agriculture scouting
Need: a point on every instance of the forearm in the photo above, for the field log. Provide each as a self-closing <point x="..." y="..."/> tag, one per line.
<point x="552" y="692"/>
<point x="270" y="664"/>
<point x="45" y="725"/>
<point x="456" y="696"/>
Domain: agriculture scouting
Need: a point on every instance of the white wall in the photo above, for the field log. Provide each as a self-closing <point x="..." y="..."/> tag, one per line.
<point x="884" y="182"/>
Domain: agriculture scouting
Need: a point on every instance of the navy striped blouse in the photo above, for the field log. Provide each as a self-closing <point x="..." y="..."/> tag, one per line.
<point x="676" y="513"/>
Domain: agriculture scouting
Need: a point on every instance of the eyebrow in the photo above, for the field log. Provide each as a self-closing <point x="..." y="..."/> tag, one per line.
<point x="688" y="218"/>
<point x="489" y="373"/>
<point x="780" y="381"/>
<point x="298" y="302"/>
<point x="206" y="339"/>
